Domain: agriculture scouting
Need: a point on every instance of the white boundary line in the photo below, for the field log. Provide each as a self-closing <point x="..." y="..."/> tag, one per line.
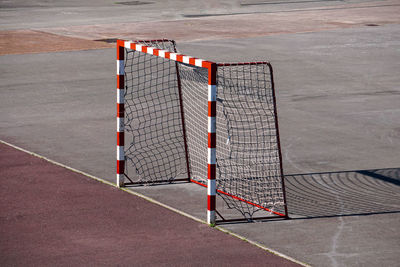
<point x="158" y="203"/>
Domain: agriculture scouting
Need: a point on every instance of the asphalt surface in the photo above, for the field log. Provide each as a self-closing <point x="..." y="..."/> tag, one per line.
<point x="336" y="70"/>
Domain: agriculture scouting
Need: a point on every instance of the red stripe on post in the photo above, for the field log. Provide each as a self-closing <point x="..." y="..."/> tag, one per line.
<point x="155" y="52"/>
<point x="212" y="108"/>
<point x="120" y="166"/>
<point x="144" y="49"/>
<point x="120" y="50"/>
<point x="120" y="81"/>
<point x="167" y="54"/>
<point x="206" y="64"/>
<point x="212" y="140"/>
<point x="192" y="61"/>
<point x="120" y="43"/>
<point x="212" y="77"/>
<point x="120" y="139"/>
<point x="211" y="203"/>
<point x="212" y="72"/>
<point x="120" y="110"/>
<point x="179" y="58"/>
<point x="211" y="171"/>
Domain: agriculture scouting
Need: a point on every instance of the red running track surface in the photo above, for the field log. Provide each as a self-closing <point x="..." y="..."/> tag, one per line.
<point x="50" y="215"/>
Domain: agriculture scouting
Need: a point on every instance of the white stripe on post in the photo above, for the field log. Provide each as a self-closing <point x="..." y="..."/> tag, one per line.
<point x="199" y="62"/>
<point x="211" y="216"/>
<point x="211" y="124"/>
<point x="120" y="180"/>
<point x="127" y="44"/>
<point x="211" y="187"/>
<point x="120" y="124"/>
<point x="211" y="157"/>
<point x="186" y="59"/>
<point x="173" y="56"/>
<point x="120" y="153"/>
<point x="121" y="96"/>
<point x="161" y="53"/>
<point x="120" y="67"/>
<point x="150" y="50"/>
<point x="212" y="92"/>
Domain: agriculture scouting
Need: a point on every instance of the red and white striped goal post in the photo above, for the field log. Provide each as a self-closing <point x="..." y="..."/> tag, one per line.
<point x="212" y="92"/>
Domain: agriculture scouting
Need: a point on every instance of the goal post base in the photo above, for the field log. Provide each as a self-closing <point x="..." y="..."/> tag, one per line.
<point x="175" y="181"/>
<point x="252" y="219"/>
<point x="120" y="180"/>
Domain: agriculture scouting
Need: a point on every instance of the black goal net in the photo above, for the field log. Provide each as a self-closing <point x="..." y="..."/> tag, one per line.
<point x="166" y="115"/>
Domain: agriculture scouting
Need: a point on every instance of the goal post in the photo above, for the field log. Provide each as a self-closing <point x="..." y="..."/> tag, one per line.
<point x="181" y="118"/>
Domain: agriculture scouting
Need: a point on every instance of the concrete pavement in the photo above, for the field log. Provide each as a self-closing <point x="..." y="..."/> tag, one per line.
<point x="337" y="93"/>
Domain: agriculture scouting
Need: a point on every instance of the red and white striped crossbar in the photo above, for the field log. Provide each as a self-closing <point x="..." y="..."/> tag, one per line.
<point x="212" y="112"/>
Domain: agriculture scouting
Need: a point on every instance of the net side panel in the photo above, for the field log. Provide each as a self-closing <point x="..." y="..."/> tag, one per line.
<point x="248" y="156"/>
<point x="154" y="149"/>
<point x="195" y="102"/>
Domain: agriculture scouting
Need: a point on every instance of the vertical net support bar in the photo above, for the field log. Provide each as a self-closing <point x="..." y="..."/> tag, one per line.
<point x="278" y="140"/>
<point x="183" y="119"/>
<point x="211" y="157"/>
<point x="120" y="115"/>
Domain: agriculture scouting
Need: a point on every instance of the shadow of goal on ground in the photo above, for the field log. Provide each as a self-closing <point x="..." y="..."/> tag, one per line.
<point x="345" y="193"/>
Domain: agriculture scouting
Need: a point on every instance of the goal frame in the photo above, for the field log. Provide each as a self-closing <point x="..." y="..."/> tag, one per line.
<point x="212" y="92"/>
<point x="211" y="68"/>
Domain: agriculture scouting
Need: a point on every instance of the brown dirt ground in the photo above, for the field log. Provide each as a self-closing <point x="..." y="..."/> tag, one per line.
<point x="31" y="41"/>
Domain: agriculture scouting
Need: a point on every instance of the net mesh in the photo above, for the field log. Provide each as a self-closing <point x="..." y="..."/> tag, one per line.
<point x="195" y="98"/>
<point x="249" y="177"/>
<point x="248" y="160"/>
<point x="154" y="142"/>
